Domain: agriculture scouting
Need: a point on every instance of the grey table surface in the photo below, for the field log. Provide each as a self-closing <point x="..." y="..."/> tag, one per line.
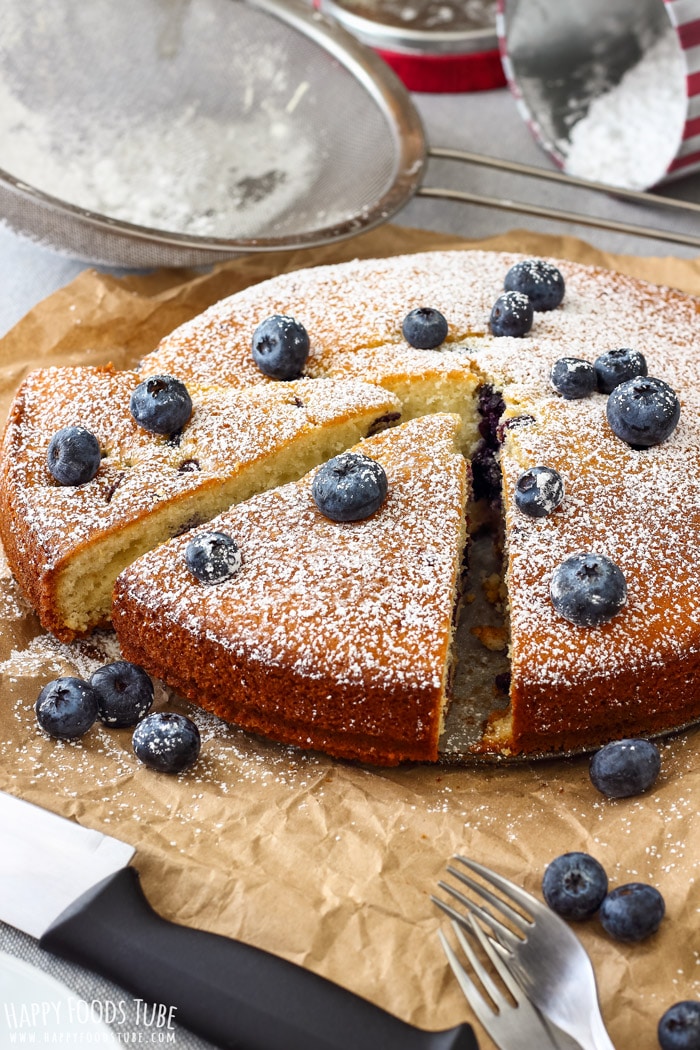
<point x="486" y="123"/>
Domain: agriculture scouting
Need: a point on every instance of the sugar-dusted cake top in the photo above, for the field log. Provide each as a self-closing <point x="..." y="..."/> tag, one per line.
<point x="570" y="685"/>
<point x="360" y="306"/>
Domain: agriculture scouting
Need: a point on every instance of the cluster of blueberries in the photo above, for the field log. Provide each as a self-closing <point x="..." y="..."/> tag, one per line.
<point x="120" y="695"/>
<point x="589" y="588"/>
<point x="575" y="885"/>
<point x="643" y="411"/>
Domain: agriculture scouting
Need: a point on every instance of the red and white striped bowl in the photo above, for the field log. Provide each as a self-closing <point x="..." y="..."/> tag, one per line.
<point x="541" y="47"/>
<point x="685" y="16"/>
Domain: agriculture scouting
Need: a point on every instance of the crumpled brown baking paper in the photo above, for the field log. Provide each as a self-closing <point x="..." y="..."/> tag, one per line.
<point x="328" y="864"/>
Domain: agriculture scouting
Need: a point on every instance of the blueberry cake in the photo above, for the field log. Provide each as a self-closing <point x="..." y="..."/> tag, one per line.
<point x="566" y="398"/>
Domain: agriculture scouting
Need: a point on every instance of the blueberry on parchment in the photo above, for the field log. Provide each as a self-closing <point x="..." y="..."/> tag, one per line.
<point x="66" y="708"/>
<point x="167" y="742"/>
<point x="574" y="885"/>
<point x="624" y="768"/>
<point x="124" y="693"/>
<point x="632" y="912"/>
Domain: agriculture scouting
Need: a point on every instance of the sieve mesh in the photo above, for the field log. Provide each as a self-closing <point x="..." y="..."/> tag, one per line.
<point x="154" y="132"/>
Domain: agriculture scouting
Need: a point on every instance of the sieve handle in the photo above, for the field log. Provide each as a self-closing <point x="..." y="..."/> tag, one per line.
<point x="237" y="996"/>
<point x="689" y="208"/>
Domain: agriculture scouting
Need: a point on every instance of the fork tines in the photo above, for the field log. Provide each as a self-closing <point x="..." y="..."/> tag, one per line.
<point x="508" y="1016"/>
<point x="519" y="921"/>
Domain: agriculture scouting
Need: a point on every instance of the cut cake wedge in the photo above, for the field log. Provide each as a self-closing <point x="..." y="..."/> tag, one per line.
<point x="332" y="636"/>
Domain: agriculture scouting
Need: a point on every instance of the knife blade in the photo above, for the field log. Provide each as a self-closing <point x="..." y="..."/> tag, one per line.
<point x="75" y="890"/>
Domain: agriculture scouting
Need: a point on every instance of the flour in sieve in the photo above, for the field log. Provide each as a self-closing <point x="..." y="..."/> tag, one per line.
<point x="631" y="133"/>
<point x="192" y="174"/>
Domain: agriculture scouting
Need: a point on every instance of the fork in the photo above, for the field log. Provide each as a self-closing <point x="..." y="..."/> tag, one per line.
<point x="544" y="955"/>
<point x="512" y="1024"/>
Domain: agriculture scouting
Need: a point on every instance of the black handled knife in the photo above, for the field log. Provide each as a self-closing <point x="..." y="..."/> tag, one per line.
<point x="73" y="888"/>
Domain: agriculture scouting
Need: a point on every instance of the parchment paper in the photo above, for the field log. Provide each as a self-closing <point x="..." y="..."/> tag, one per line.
<point x="328" y="864"/>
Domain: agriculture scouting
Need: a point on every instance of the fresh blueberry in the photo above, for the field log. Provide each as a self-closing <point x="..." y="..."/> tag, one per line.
<point x="574" y="885"/>
<point x="124" y="693"/>
<point x="679" y="1028"/>
<point x="573" y="378"/>
<point x="625" y="767"/>
<point x="539" y="491"/>
<point x="617" y="366"/>
<point x="540" y="281"/>
<point x="66" y="708"/>
<point x="349" y="487"/>
<point x="167" y="742"/>
<point x="281" y="347"/>
<point x="161" y="404"/>
<point x="511" y="315"/>
<point x="213" y="557"/>
<point x="632" y="912"/>
<point x="73" y="456"/>
<point x="643" y="411"/>
<point x="588" y="589"/>
<point x="424" y="328"/>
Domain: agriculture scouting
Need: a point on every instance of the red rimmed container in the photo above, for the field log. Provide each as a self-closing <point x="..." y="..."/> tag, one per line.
<point x="560" y="58"/>
<point x="432" y="45"/>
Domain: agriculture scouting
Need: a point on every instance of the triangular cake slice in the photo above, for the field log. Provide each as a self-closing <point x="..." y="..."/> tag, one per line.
<point x="331" y="636"/>
<point x="67" y="544"/>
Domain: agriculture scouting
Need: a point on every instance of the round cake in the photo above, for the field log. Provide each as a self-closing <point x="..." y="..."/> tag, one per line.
<point x="389" y="638"/>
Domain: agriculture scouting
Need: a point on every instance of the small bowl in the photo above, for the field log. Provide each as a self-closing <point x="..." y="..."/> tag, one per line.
<point x="436" y="47"/>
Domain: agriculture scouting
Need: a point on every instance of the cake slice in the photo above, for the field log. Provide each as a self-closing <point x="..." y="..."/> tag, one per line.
<point x="67" y="543"/>
<point x="332" y="636"/>
<point x="574" y="687"/>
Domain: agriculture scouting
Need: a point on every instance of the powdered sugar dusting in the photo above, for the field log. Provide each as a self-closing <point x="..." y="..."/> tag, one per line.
<point x="161" y="149"/>
<point x="631" y="133"/>
<point x="229" y="433"/>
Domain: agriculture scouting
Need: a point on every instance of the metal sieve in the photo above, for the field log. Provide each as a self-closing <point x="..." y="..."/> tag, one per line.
<point x="152" y="133"/>
<point x="169" y="132"/>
